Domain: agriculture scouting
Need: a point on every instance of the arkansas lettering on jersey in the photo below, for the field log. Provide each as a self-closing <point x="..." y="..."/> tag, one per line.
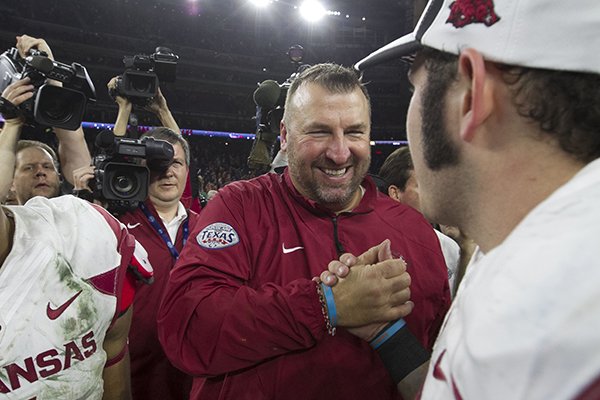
<point x="60" y="291"/>
<point x="47" y="363"/>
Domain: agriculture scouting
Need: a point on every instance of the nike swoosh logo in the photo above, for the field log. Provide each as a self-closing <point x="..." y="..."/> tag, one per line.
<point x="54" y="313"/>
<point x="290" y="250"/>
<point x="131" y="226"/>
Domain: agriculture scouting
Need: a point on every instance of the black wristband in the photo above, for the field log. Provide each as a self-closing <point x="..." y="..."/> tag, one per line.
<point x="402" y="353"/>
<point x="8" y="109"/>
<point x="84" y="194"/>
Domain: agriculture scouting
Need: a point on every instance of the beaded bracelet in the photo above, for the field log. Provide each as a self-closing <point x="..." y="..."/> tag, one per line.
<point x="330" y="327"/>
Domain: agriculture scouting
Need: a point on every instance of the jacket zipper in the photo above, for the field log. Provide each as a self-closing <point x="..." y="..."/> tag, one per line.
<point x="338" y="245"/>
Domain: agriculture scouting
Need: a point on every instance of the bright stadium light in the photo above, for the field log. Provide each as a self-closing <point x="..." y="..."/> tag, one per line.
<point x="312" y="10"/>
<point x="260" y="3"/>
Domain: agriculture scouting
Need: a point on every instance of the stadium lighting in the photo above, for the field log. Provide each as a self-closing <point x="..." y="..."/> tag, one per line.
<point x="312" y="10"/>
<point x="260" y="3"/>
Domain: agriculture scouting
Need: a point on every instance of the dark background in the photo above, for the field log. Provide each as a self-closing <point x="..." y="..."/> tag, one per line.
<point x="226" y="47"/>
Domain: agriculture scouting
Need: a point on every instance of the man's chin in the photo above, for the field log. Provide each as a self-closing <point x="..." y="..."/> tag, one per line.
<point x="45" y="191"/>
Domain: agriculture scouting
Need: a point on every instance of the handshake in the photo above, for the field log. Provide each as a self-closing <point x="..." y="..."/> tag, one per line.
<point x="367" y="291"/>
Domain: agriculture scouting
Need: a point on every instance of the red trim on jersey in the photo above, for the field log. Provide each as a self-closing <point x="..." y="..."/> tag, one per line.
<point x="118" y="357"/>
<point x="126" y="246"/>
<point x="106" y="282"/>
<point x="592" y="392"/>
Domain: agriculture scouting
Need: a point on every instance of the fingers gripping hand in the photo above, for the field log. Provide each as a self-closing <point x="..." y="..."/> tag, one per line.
<point x="341" y="268"/>
<point x="373" y="293"/>
<point x="157" y="104"/>
<point x="26" y="42"/>
<point x="121" y="101"/>
<point x="82" y="176"/>
<point x="19" y="91"/>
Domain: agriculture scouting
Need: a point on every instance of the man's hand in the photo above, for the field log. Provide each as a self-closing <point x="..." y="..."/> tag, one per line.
<point x="379" y="260"/>
<point x="374" y="291"/>
<point x="158" y="104"/>
<point x="125" y="108"/>
<point x="26" y="43"/>
<point x="16" y="93"/>
<point x="122" y="102"/>
<point x="82" y="177"/>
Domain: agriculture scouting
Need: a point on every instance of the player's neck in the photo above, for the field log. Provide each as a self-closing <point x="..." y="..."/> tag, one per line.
<point x="499" y="209"/>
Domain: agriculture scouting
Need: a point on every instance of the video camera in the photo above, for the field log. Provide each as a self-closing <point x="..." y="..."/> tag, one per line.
<point x="269" y="98"/>
<point x="121" y="179"/>
<point x="61" y="107"/>
<point x="139" y="83"/>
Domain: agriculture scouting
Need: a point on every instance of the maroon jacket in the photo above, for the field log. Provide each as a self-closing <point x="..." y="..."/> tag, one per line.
<point x="152" y="375"/>
<point x="241" y="309"/>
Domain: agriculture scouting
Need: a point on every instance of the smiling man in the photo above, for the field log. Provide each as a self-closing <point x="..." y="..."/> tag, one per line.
<point x="241" y="310"/>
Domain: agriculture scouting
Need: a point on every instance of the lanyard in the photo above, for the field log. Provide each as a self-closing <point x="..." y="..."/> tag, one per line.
<point x="164" y="235"/>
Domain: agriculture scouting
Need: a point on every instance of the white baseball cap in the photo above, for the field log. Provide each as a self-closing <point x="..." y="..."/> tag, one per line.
<point x="548" y="34"/>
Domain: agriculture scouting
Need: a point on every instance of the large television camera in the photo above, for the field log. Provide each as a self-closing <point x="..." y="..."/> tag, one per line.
<point x="139" y="83"/>
<point x="61" y="107"/>
<point x="269" y="98"/>
<point x="121" y="178"/>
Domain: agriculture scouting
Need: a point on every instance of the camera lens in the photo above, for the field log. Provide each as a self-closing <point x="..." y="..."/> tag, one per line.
<point x="142" y="84"/>
<point x="59" y="107"/>
<point x="57" y="110"/>
<point x="124" y="185"/>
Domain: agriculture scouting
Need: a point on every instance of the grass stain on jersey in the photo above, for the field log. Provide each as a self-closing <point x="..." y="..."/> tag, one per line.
<point x="87" y="312"/>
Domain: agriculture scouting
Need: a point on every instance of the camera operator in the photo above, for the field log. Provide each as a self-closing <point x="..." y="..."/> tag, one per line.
<point x="157" y="105"/>
<point x="65" y="290"/>
<point x="162" y="225"/>
<point x="36" y="169"/>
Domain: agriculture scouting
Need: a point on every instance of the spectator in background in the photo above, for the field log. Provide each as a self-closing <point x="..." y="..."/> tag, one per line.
<point x="504" y="132"/>
<point x="65" y="290"/>
<point x="242" y="312"/>
<point x="162" y="225"/>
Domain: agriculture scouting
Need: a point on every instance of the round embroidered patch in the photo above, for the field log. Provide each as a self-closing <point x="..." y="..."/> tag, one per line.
<point x="217" y="236"/>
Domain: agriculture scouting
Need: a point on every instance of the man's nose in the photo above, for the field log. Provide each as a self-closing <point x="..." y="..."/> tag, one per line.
<point x="40" y="171"/>
<point x="338" y="150"/>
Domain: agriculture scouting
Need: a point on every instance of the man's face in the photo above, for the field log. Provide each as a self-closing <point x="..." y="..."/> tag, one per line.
<point x="327" y="143"/>
<point x="166" y="187"/>
<point x="410" y="195"/>
<point x="434" y="153"/>
<point x="35" y="175"/>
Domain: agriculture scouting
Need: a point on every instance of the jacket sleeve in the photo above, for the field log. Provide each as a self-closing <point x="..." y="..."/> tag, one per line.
<point x="211" y="321"/>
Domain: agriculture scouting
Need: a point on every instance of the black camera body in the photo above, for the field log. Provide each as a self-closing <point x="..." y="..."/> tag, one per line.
<point x="139" y="83"/>
<point x="269" y="98"/>
<point x="61" y="107"/>
<point x="121" y="178"/>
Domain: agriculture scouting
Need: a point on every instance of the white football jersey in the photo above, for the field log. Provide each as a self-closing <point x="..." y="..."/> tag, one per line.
<point x="58" y="297"/>
<point x="525" y="320"/>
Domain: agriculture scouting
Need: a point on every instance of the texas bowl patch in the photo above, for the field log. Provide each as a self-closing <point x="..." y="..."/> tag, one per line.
<point x="217" y="236"/>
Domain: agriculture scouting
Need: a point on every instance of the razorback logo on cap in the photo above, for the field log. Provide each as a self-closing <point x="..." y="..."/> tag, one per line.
<point x="217" y="236"/>
<point x="465" y="12"/>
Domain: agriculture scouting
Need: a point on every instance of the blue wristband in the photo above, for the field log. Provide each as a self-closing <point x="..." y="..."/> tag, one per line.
<point x="387" y="333"/>
<point x="331" y="311"/>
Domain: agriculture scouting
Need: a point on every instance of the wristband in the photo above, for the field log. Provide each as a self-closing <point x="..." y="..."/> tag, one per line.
<point x="401" y="352"/>
<point x="8" y="109"/>
<point x="330" y="327"/>
<point x="84" y="194"/>
<point x="331" y="310"/>
<point x="389" y="331"/>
